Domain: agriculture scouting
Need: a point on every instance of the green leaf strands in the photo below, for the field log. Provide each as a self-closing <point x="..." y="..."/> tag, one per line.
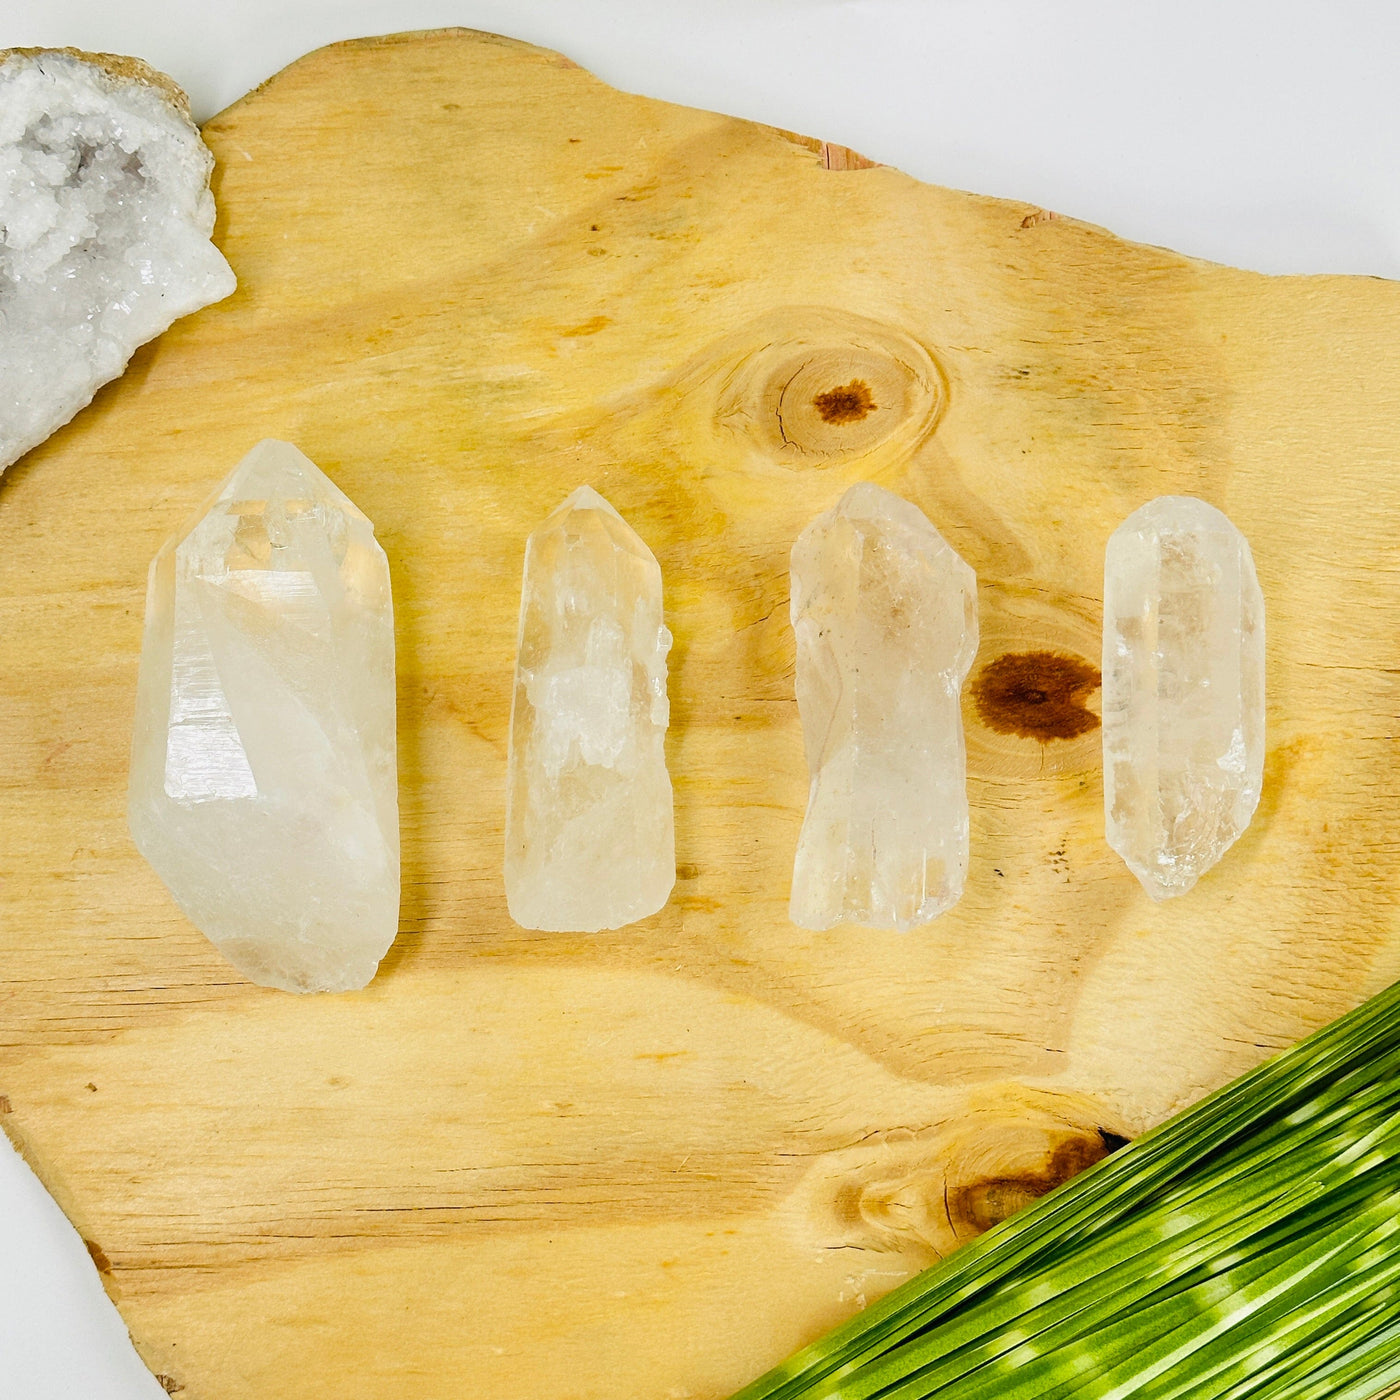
<point x="1244" y="1250"/>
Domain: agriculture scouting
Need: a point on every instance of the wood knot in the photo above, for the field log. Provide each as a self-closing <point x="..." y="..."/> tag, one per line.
<point x="847" y="403"/>
<point x="1037" y="695"/>
<point x="976" y="1206"/>
<point x="931" y="1190"/>
<point x="813" y="386"/>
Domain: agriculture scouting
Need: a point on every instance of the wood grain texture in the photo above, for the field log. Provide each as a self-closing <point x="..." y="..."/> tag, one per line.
<point x="650" y="1163"/>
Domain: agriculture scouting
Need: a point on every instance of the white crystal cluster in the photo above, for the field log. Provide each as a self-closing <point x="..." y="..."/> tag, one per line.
<point x="263" y="774"/>
<point x="590" y="837"/>
<point x="105" y="217"/>
<point x="1183" y="691"/>
<point x="885" y="612"/>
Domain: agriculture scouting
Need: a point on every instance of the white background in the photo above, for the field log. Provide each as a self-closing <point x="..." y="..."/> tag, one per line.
<point x="1261" y="134"/>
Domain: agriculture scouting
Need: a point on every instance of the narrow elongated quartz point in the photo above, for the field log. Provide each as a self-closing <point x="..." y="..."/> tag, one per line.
<point x="1183" y="691"/>
<point x="263" y="773"/>
<point x="590" y="836"/>
<point x="885" y="612"/>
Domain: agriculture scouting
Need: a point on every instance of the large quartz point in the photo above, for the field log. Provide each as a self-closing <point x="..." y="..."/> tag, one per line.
<point x="263" y="772"/>
<point x="590" y="838"/>
<point x="885" y="613"/>
<point x="1183" y="691"/>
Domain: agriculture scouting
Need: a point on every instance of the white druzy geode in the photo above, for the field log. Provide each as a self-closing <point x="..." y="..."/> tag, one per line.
<point x="590" y="834"/>
<point x="105" y="218"/>
<point x="885" y="612"/>
<point x="1183" y="691"/>
<point x="263" y="770"/>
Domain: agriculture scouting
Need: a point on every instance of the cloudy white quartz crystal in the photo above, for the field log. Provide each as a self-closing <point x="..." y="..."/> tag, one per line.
<point x="263" y="783"/>
<point x="590" y="837"/>
<point x="1183" y="691"/>
<point x="105" y="218"/>
<point x="885" y="613"/>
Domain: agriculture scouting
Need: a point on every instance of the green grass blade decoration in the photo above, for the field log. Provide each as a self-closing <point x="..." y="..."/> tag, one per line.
<point x="1248" y="1249"/>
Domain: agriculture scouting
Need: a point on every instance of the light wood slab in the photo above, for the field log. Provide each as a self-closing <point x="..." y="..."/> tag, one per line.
<point x="650" y="1163"/>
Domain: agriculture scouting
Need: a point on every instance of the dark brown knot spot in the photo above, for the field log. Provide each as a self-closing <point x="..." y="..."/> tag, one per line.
<point x="847" y="403"/>
<point x="1037" y="695"/>
<point x="979" y="1205"/>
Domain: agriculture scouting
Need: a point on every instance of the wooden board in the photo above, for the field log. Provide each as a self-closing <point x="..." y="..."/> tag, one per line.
<point x="652" y="1162"/>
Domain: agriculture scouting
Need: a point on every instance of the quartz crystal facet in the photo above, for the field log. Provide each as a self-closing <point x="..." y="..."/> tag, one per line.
<point x="885" y="613"/>
<point x="1183" y="691"/>
<point x="263" y="775"/>
<point x="590" y="840"/>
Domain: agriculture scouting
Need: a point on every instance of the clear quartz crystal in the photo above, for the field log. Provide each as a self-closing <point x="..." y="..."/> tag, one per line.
<point x="590" y="839"/>
<point x="1183" y="691"/>
<point x="263" y="775"/>
<point x="885" y="612"/>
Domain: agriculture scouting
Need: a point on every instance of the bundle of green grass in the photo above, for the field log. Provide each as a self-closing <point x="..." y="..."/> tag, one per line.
<point x="1248" y="1249"/>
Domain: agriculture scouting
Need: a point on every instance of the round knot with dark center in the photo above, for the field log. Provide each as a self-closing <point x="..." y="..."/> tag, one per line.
<point x="1037" y="695"/>
<point x="847" y="403"/>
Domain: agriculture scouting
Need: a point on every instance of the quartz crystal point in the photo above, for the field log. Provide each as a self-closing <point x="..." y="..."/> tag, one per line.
<point x="590" y="838"/>
<point x="263" y="773"/>
<point x="1183" y="691"/>
<point x="885" y="613"/>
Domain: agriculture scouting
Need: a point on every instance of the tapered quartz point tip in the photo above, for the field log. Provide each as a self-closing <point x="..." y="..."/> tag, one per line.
<point x="590" y="838"/>
<point x="1183" y="691"/>
<point x="263" y="784"/>
<point x="586" y="498"/>
<point x="275" y="469"/>
<point x="885" y="613"/>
